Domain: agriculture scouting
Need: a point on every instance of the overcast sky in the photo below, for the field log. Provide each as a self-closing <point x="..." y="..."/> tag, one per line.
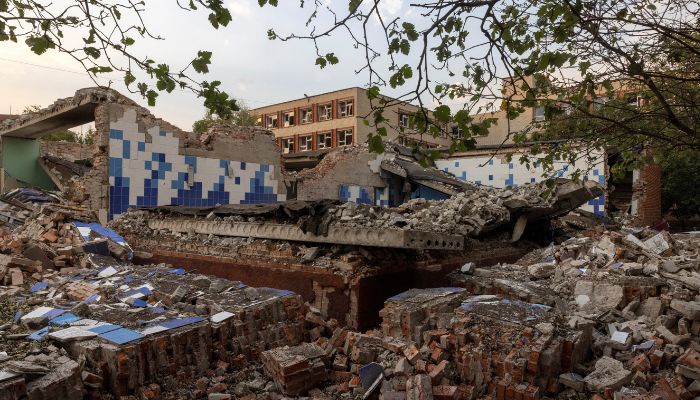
<point x="251" y="67"/>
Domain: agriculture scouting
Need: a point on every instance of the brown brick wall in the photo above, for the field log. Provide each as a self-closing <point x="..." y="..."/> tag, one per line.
<point x="649" y="191"/>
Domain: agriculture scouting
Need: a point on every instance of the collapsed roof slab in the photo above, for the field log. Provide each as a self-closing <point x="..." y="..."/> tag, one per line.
<point x="60" y="120"/>
<point x="394" y="238"/>
<point x="62" y="114"/>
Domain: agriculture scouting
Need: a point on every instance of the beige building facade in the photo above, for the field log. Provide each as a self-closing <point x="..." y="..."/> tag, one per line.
<point x="335" y="119"/>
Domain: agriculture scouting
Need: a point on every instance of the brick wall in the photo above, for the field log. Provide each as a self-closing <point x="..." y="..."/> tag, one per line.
<point x="647" y="193"/>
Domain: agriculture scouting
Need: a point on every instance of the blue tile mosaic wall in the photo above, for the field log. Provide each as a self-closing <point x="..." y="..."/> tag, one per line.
<point x="144" y="174"/>
<point x="355" y="194"/>
<point x="494" y="171"/>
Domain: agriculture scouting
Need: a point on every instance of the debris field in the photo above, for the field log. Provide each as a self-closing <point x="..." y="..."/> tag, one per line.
<point x="605" y="314"/>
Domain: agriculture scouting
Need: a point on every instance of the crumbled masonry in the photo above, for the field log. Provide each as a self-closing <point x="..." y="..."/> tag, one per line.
<point x="605" y="314"/>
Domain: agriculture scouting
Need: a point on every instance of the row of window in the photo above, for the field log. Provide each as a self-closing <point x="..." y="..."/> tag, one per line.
<point x="345" y="108"/>
<point x="324" y="140"/>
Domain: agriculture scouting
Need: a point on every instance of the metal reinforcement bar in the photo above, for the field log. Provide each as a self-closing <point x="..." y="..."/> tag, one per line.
<point x="339" y="235"/>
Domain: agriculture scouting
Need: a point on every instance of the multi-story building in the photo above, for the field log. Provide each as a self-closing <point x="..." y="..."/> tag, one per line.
<point x="335" y="119"/>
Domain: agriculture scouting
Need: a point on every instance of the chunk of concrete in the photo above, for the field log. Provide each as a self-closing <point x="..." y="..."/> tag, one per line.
<point x="689" y="309"/>
<point x="604" y="296"/>
<point x="650" y="307"/>
<point x="608" y="373"/>
<point x="541" y="270"/>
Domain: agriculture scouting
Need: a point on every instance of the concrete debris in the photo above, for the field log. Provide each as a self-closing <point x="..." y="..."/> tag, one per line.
<point x="604" y="314"/>
<point x="470" y="213"/>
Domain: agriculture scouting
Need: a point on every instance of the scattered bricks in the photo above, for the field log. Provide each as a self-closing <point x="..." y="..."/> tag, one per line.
<point x="412" y="354"/>
<point x="418" y="387"/>
<point x="679" y="388"/>
<point x="80" y="290"/>
<point x="409" y="314"/>
<point x="339" y="337"/>
<point x="639" y="379"/>
<point x="674" y="339"/>
<point x="664" y="390"/>
<point x="50" y="236"/>
<point x="689" y="309"/>
<point x="690" y="358"/>
<point x="394" y="345"/>
<point x="297" y="369"/>
<point x="340" y="363"/>
<point x="656" y="358"/>
<point x="445" y="392"/>
<point x="421" y="366"/>
<point x="438" y="355"/>
<point x="341" y="376"/>
<point x="438" y="372"/>
<point x="640" y="363"/>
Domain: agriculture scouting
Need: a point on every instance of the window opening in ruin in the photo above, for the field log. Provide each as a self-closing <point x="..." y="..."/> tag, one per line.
<point x="288" y="118"/>
<point x="271" y="121"/>
<point x="345" y="108"/>
<point x="305" y="143"/>
<point x="324" y="140"/>
<point x="307" y="115"/>
<point x="325" y="112"/>
<point x="344" y="137"/>
<point x="288" y="145"/>
<point x="404" y="119"/>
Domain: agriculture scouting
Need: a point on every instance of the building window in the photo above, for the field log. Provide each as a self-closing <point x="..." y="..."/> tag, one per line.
<point x="288" y="118"/>
<point x="307" y="115"/>
<point x="325" y="112"/>
<point x="345" y="108"/>
<point x="539" y="114"/>
<point x="259" y="121"/>
<point x="456" y="132"/>
<point x="288" y="145"/>
<point x="305" y="143"/>
<point x="344" y="137"/>
<point x="404" y="120"/>
<point x="324" y="140"/>
<point x="271" y="121"/>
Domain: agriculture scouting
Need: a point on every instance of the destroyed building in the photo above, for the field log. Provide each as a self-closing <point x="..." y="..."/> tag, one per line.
<point x="210" y="271"/>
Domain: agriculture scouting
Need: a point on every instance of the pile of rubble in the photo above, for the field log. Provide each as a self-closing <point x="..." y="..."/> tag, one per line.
<point x="623" y="322"/>
<point x="99" y="324"/>
<point x="468" y="213"/>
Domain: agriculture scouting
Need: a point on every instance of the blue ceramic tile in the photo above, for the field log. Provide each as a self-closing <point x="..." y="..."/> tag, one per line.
<point x="121" y="336"/>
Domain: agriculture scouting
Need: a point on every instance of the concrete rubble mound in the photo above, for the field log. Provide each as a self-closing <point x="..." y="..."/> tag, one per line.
<point x="472" y="212"/>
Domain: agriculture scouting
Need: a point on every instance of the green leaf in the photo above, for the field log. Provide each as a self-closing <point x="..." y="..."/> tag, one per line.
<point x="353" y="5"/>
<point x="39" y="44"/>
<point x="332" y="59"/>
<point x="129" y="78"/>
<point x="321" y="62"/>
<point x="410" y="31"/>
<point x="151" y="96"/>
<point x="128" y="41"/>
<point x="92" y="52"/>
<point x="442" y="114"/>
<point x="201" y="63"/>
<point x="373" y="92"/>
